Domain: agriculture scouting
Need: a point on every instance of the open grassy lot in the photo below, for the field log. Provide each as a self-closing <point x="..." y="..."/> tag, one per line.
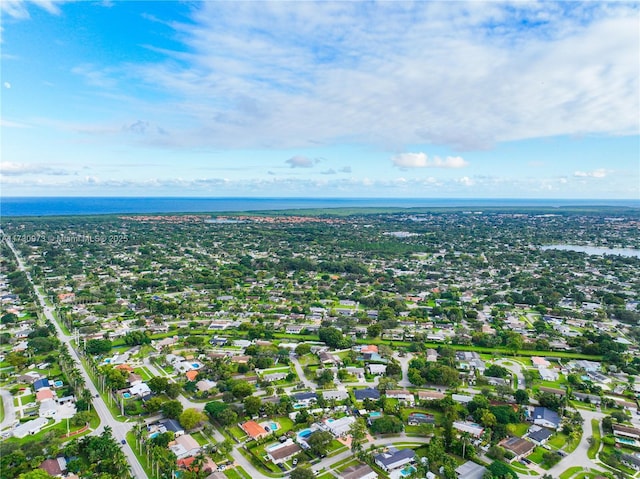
<point x="594" y="447"/>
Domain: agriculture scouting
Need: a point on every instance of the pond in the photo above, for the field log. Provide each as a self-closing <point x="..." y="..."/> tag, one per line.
<point x="595" y="250"/>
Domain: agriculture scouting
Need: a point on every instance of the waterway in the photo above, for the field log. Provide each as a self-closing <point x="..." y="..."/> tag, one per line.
<point x="595" y="250"/>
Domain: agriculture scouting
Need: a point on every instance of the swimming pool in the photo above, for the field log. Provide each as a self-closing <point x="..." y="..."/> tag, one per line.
<point x="195" y="365"/>
<point x="624" y="440"/>
<point x="126" y="395"/>
<point x="274" y="426"/>
<point x="305" y="433"/>
<point x="57" y="384"/>
<point x="155" y="434"/>
<point x="375" y="414"/>
<point x="407" y="471"/>
<point x="418" y="414"/>
<point x="330" y="420"/>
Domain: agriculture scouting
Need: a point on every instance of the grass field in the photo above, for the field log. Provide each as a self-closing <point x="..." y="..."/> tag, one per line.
<point x="594" y="447"/>
<point x="570" y="472"/>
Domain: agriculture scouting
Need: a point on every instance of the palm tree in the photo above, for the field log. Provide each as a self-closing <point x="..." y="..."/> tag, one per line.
<point x="85" y="395"/>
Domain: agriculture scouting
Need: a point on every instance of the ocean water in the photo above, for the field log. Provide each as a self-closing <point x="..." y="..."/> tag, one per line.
<point x="63" y="206"/>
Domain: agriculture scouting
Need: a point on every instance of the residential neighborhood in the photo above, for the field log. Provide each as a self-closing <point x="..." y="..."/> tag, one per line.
<point x="418" y="358"/>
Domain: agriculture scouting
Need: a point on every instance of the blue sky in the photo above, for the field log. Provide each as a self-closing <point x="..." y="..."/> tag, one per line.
<point x="337" y="99"/>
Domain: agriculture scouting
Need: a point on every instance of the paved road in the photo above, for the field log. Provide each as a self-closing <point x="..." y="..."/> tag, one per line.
<point x="296" y="364"/>
<point x="404" y="364"/>
<point x="516" y="368"/>
<point x="579" y="457"/>
<point x="9" y="410"/>
<point x="120" y="429"/>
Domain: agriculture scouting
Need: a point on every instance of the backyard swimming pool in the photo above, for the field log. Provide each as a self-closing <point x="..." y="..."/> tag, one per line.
<point x="375" y="414"/>
<point x="407" y="471"/>
<point x="57" y="384"/>
<point x="195" y="365"/>
<point x="624" y="440"/>
<point x="126" y="395"/>
<point x="305" y="433"/>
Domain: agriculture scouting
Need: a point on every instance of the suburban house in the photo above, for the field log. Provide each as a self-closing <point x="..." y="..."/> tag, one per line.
<point x="294" y="329"/>
<point x="283" y="452"/>
<point x="539" y="435"/>
<point x="30" y="427"/>
<point x="432" y="355"/>
<point x="401" y="395"/>
<point x="469" y="427"/>
<point x="430" y="395"/>
<point x="337" y="395"/>
<point x="41" y="383"/>
<point x="48" y="408"/>
<point x="417" y="418"/>
<point x="360" y="471"/>
<point x="377" y="369"/>
<point x="305" y="398"/>
<point x="548" y="374"/>
<point x="517" y="446"/>
<point x="626" y="431"/>
<point x="254" y="430"/>
<point x="394" y="458"/>
<point x="471" y="470"/>
<point x="54" y="467"/>
<point x="545" y="417"/>
<point x="185" y="446"/>
<point x="173" y="426"/>
<point x="631" y="461"/>
<point x="341" y="426"/>
<point x="368" y="393"/>
<point x="462" y="398"/>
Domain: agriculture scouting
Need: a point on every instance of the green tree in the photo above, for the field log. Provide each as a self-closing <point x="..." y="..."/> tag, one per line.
<point x="35" y="474"/>
<point x="302" y="473"/>
<point x="172" y="409"/>
<point x="241" y="389"/>
<point x="191" y="417"/>
<point x="358" y="432"/>
<point x="522" y="397"/>
<point x="251" y="405"/>
<point x="319" y="442"/>
<point x="387" y="425"/>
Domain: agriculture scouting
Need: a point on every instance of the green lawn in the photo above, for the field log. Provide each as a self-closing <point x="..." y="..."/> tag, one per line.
<point x="232" y="474"/>
<point x="236" y="432"/>
<point x="521" y="429"/>
<point x="536" y="455"/>
<point x="558" y="440"/>
<point x="570" y="472"/>
<point x="594" y="447"/>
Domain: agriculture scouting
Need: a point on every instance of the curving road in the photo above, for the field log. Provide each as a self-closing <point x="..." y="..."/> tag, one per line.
<point x="516" y="368"/>
<point x="119" y="429"/>
<point x="9" y="410"/>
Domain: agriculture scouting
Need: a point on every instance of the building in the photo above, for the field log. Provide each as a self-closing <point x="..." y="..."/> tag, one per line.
<point x="626" y="431"/>
<point x="430" y="395"/>
<point x="469" y="427"/>
<point x="394" y="458"/>
<point x="539" y="362"/>
<point x="631" y="461"/>
<point x="377" y="369"/>
<point x="305" y="398"/>
<point x="518" y="447"/>
<point x="417" y="418"/>
<point x="173" y="426"/>
<point x="545" y="417"/>
<point x="31" y="427"/>
<point x="42" y="383"/>
<point x="471" y="470"/>
<point x="548" y="374"/>
<point x="539" y="435"/>
<point x="54" y="467"/>
<point x="461" y="398"/>
<point x="368" y="393"/>
<point x="341" y="426"/>
<point x="254" y="430"/>
<point x="401" y="395"/>
<point x="337" y="395"/>
<point x="360" y="471"/>
<point x="48" y="408"/>
<point x="185" y="446"/>
<point x="283" y="452"/>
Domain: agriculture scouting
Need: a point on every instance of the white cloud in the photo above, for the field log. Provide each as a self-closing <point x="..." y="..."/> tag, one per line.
<point x="7" y="85"/>
<point x="9" y="168"/>
<point x="19" y="9"/>
<point x="466" y="181"/>
<point x="302" y="74"/>
<point x="598" y="173"/>
<point x="421" y="160"/>
<point x="300" y="162"/>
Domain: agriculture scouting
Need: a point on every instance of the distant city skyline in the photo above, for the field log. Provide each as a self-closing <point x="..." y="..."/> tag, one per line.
<point x="331" y="99"/>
